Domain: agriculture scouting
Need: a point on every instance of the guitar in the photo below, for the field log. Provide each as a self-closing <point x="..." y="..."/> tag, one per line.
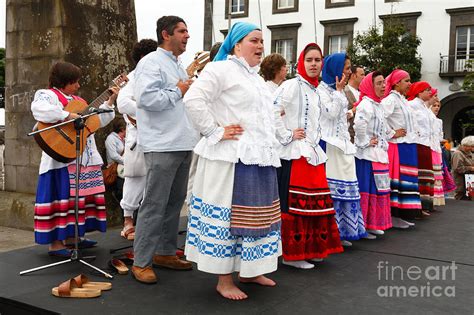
<point x="60" y="142"/>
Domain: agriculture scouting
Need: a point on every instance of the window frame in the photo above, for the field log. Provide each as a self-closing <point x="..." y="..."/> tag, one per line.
<point x="330" y="5"/>
<point x="239" y="14"/>
<point x="276" y="10"/>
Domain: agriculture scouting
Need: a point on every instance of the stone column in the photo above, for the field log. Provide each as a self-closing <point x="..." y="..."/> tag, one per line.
<point x="96" y="35"/>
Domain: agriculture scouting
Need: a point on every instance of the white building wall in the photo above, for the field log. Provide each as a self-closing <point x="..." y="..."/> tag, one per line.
<point x="432" y="26"/>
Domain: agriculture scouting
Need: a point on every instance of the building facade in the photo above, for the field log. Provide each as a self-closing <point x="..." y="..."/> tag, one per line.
<point x="446" y="30"/>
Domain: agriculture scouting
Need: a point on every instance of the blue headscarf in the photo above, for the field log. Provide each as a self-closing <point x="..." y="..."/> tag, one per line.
<point x="333" y="66"/>
<point x="238" y="31"/>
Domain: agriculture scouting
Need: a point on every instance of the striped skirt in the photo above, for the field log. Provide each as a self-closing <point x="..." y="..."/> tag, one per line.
<point x="405" y="199"/>
<point x="448" y="181"/>
<point x="438" y="191"/>
<point x="425" y="176"/>
<point x="342" y="181"/>
<point x="309" y="229"/>
<point x="374" y="186"/>
<point x="209" y="241"/>
<point x="54" y="207"/>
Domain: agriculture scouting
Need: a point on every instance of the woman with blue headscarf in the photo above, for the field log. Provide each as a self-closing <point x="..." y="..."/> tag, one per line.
<point x="336" y="141"/>
<point x="234" y="214"/>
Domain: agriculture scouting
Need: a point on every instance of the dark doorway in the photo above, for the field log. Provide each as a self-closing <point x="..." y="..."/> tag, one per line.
<point x="463" y="123"/>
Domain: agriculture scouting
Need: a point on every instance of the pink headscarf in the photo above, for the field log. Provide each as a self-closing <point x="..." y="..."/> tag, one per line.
<point x="434" y="91"/>
<point x="366" y="88"/>
<point x="393" y="78"/>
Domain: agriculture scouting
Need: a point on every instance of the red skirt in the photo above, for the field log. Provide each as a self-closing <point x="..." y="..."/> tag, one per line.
<point x="309" y="229"/>
<point x="306" y="237"/>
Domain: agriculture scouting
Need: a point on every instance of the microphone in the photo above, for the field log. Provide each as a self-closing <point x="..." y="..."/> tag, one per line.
<point x="99" y="110"/>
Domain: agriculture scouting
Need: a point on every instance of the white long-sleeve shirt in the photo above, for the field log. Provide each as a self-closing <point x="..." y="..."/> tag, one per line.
<point x="423" y="121"/>
<point x="114" y="148"/>
<point x="47" y="108"/>
<point x="370" y="123"/>
<point x="126" y="105"/>
<point x="231" y="92"/>
<point x="399" y="114"/>
<point x="334" y="124"/>
<point x="300" y="102"/>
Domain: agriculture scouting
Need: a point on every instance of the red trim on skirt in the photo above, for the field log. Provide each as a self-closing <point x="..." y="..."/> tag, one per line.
<point x="309" y="193"/>
<point x="306" y="237"/>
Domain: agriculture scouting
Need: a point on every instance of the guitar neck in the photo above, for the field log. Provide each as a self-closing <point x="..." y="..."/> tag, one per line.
<point x="100" y="99"/>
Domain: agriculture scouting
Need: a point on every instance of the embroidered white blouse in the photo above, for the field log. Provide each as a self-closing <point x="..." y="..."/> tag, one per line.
<point x="300" y="102"/>
<point x="437" y="135"/>
<point x="399" y="114"/>
<point x="47" y="108"/>
<point x="231" y="92"/>
<point x="424" y="118"/>
<point x="370" y="122"/>
<point x="334" y="124"/>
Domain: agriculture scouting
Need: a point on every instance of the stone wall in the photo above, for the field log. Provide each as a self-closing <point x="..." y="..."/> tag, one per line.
<point x="96" y="35"/>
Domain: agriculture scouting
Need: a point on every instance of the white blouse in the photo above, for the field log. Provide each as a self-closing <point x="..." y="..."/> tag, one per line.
<point x="399" y="114"/>
<point x="47" y="108"/>
<point x="334" y="124"/>
<point x="272" y="86"/>
<point x="370" y="122"/>
<point x="424" y="118"/>
<point x="299" y="101"/>
<point x="437" y="135"/>
<point x="231" y="92"/>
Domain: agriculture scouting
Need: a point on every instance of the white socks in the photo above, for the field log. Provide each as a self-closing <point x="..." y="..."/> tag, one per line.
<point x="346" y="243"/>
<point x="300" y="264"/>
<point x="399" y="223"/>
<point x="376" y="232"/>
<point x="370" y="236"/>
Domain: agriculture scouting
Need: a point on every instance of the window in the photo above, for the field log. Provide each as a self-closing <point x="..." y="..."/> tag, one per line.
<point x="338" y="43"/>
<point x="285" y="6"/>
<point x="238" y="8"/>
<point x="338" y="34"/>
<point x="461" y="43"/>
<point x="339" y="3"/>
<point x="465" y="42"/>
<point x="408" y="20"/>
<point x="285" y="48"/>
<point x="285" y="40"/>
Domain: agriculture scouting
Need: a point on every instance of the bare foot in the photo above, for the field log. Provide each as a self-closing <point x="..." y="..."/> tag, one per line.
<point x="262" y="280"/>
<point x="56" y="245"/>
<point x="228" y="289"/>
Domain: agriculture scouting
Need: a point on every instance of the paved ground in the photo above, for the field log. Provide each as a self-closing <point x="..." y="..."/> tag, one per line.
<point x="428" y="269"/>
<point x="11" y="239"/>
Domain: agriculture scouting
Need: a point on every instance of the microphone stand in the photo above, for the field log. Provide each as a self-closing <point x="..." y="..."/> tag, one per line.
<point x="76" y="254"/>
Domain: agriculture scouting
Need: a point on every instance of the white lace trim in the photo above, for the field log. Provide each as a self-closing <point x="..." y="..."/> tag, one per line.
<point x="234" y="150"/>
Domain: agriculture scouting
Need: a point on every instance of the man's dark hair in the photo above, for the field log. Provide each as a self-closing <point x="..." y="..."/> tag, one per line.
<point x="166" y="23"/>
<point x="214" y="50"/>
<point x="143" y="48"/>
<point x="271" y="65"/>
<point x="63" y="73"/>
<point x="354" y="70"/>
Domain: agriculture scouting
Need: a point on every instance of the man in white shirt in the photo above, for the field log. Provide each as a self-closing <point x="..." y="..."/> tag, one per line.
<point x="167" y="137"/>
<point x="352" y="93"/>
